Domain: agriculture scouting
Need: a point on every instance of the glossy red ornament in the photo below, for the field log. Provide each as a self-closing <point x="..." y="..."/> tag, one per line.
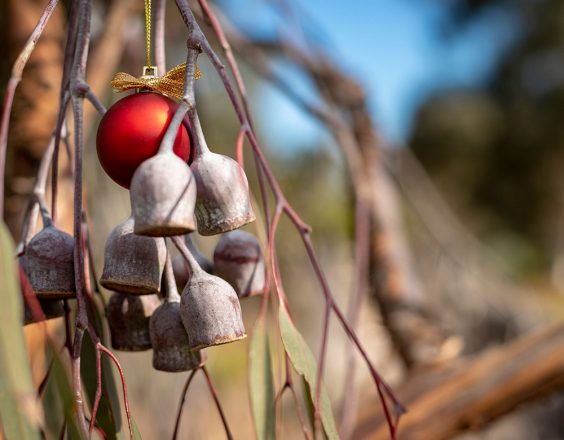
<point x="131" y="132"/>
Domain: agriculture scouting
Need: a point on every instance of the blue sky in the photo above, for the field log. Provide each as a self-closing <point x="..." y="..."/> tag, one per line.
<point x="395" y="48"/>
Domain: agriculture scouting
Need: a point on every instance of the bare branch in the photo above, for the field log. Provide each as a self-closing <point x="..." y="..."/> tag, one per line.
<point x="470" y="393"/>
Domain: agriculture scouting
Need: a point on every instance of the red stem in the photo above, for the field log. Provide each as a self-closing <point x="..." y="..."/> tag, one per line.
<point x="124" y="388"/>
<point x="181" y="404"/>
<point x="197" y="41"/>
<point x="217" y="403"/>
<point x="98" y="395"/>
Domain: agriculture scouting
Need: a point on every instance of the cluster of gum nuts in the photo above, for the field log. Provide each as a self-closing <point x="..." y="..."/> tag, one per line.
<point x="169" y="197"/>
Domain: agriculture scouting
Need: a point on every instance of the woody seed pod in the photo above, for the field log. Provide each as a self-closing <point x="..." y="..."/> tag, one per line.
<point x="210" y="309"/>
<point x="238" y="260"/>
<point x="133" y="263"/>
<point x="163" y="195"/>
<point x="171" y="348"/>
<point x="49" y="264"/>
<point x="128" y="318"/>
<point x="223" y="201"/>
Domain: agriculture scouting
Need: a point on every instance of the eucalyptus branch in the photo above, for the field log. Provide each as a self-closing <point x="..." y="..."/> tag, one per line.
<point x="78" y="70"/>
<point x="197" y="41"/>
<point x="65" y="95"/>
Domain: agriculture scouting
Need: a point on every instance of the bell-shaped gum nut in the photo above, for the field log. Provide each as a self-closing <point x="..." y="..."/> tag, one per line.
<point x="133" y="263"/>
<point x="128" y="319"/>
<point x="49" y="264"/>
<point x="163" y="196"/>
<point x="223" y="201"/>
<point x="238" y="260"/>
<point x="211" y="312"/>
<point x="171" y="348"/>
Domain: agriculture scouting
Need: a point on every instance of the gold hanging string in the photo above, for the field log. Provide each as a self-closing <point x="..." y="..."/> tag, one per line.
<point x="148" y="30"/>
<point x="170" y="84"/>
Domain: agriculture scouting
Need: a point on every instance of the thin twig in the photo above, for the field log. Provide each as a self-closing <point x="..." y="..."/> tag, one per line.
<point x="68" y="60"/>
<point x="77" y="77"/>
<point x="108" y="353"/>
<point x="181" y="403"/>
<point x="360" y="288"/>
<point x="217" y="403"/>
<point x="98" y="394"/>
<point x="198" y="40"/>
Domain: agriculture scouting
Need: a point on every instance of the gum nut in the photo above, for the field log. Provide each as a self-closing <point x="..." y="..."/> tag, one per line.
<point x="49" y="264"/>
<point x="163" y="196"/>
<point x="128" y="319"/>
<point x="133" y="263"/>
<point x="211" y="312"/>
<point x="223" y="201"/>
<point x="238" y="260"/>
<point x="171" y="349"/>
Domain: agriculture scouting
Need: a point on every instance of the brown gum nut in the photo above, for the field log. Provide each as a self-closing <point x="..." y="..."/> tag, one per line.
<point x="51" y="310"/>
<point x="223" y="201"/>
<point x="211" y="312"/>
<point x="171" y="349"/>
<point x="238" y="260"/>
<point x="128" y="318"/>
<point x="49" y="264"/>
<point x="163" y="195"/>
<point x="133" y="263"/>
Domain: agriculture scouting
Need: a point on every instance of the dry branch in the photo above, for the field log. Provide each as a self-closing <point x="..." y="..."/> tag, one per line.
<point x="414" y="332"/>
<point x="472" y="392"/>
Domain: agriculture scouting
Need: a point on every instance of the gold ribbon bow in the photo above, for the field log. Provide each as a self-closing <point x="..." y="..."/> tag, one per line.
<point x="170" y="84"/>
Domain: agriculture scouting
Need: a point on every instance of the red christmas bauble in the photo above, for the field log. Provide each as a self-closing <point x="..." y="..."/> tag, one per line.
<point x="131" y="132"/>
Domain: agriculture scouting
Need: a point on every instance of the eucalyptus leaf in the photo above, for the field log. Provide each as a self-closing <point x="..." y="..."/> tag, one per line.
<point x="136" y="433"/>
<point x="108" y="416"/>
<point x="261" y="382"/>
<point x="20" y="410"/>
<point x="304" y="362"/>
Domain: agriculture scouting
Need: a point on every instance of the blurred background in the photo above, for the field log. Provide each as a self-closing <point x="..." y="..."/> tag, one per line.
<point x="466" y="103"/>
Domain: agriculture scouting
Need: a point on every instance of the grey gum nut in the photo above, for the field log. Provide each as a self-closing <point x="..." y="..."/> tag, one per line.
<point x="223" y="201"/>
<point x="210" y="311"/>
<point x="133" y="263"/>
<point x="49" y="264"/>
<point x="238" y="260"/>
<point x="128" y="319"/>
<point x="163" y="196"/>
<point x="171" y="348"/>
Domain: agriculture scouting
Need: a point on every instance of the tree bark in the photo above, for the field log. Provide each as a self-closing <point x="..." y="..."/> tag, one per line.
<point x="470" y="393"/>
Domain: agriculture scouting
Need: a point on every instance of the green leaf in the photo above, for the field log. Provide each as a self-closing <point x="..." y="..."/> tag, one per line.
<point x="261" y="382"/>
<point x="61" y="375"/>
<point x="104" y="415"/>
<point x="20" y="410"/>
<point x="52" y="407"/>
<point x="108" y="416"/>
<point x="304" y="362"/>
<point x="136" y="433"/>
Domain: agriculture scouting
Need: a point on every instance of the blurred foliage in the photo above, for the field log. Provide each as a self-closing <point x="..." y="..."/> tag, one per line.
<point x="497" y="152"/>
